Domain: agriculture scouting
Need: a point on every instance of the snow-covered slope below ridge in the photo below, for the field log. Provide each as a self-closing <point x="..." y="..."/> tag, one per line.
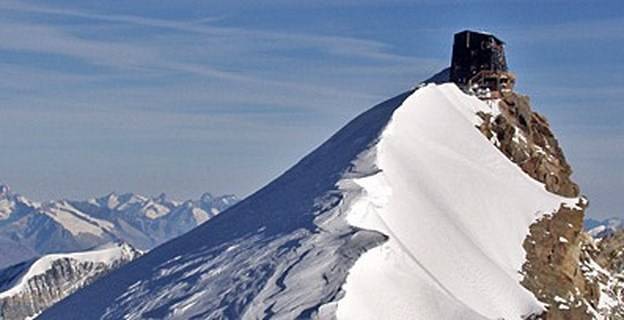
<point x="450" y="209"/>
<point x="108" y="254"/>
<point x="29" y="287"/>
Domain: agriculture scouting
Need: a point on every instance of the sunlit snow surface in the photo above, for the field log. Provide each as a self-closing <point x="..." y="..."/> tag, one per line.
<point x="450" y="210"/>
<point x="456" y="210"/>
<point x="280" y="253"/>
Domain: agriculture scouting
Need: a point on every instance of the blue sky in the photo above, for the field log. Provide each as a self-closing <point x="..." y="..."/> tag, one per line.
<point x="186" y="96"/>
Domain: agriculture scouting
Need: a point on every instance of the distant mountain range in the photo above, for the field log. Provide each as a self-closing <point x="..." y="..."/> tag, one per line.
<point x="30" y="229"/>
<point x="603" y="228"/>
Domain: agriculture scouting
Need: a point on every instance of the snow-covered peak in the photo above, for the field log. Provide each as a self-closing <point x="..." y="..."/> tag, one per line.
<point x="206" y="197"/>
<point x="603" y="228"/>
<point x="161" y="198"/>
<point x="72" y="225"/>
<point x="408" y="212"/>
<point x="128" y="200"/>
<point x="26" y="202"/>
<point x="220" y="202"/>
<point x="4" y="190"/>
<point x="6" y="207"/>
<point x="154" y="210"/>
<point x="115" y="249"/>
<point x="111" y="200"/>
<point x="228" y="199"/>
<point x="11" y="202"/>
<point x="456" y="211"/>
<point x="74" y="220"/>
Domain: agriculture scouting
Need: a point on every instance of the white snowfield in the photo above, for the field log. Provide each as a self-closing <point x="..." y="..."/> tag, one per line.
<point x="456" y="211"/>
<point x="408" y="212"/>
<point x="77" y="222"/>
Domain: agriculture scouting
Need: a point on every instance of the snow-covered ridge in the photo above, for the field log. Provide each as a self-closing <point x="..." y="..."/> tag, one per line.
<point x="281" y="253"/>
<point x="75" y="221"/>
<point x="28" y="288"/>
<point x="107" y="254"/>
<point x="456" y="211"/>
<point x="412" y="173"/>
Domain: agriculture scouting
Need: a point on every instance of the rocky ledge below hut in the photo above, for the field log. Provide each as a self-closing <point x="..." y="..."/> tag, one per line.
<point x="525" y="137"/>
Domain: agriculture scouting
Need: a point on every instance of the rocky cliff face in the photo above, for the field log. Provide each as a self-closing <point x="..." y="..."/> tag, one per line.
<point x="557" y="258"/>
<point x="525" y="137"/>
<point x="31" y="287"/>
<point x="575" y="276"/>
<point x="608" y="253"/>
<point x="560" y="268"/>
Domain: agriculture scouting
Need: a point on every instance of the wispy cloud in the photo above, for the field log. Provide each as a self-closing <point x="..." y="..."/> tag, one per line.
<point x="205" y="51"/>
<point x="331" y="44"/>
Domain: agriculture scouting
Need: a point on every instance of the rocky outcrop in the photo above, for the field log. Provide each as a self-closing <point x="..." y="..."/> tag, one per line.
<point x="558" y="260"/>
<point x="575" y="276"/>
<point x="611" y="251"/>
<point x="560" y="268"/>
<point x="31" y="287"/>
<point x="609" y="272"/>
<point x="572" y="273"/>
<point x="524" y="136"/>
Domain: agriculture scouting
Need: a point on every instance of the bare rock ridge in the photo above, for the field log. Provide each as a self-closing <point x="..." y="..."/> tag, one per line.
<point x="556" y="258"/>
<point x="565" y="269"/>
<point x="525" y="137"/>
<point x="611" y="251"/>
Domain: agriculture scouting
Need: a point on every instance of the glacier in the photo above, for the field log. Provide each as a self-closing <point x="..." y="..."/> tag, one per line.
<point x="407" y="212"/>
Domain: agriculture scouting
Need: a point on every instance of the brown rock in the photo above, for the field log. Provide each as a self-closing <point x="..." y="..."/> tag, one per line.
<point x="525" y="137"/>
<point x="556" y="247"/>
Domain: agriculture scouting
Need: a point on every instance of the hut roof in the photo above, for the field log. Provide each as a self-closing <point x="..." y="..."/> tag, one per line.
<point x="499" y="41"/>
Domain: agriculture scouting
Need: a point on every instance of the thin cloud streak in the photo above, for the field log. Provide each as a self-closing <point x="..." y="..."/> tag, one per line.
<point x="154" y="57"/>
<point x="334" y="44"/>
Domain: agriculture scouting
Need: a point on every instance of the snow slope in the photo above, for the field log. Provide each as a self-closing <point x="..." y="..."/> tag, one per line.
<point x="408" y="212"/>
<point x="75" y="221"/>
<point x="457" y="212"/>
